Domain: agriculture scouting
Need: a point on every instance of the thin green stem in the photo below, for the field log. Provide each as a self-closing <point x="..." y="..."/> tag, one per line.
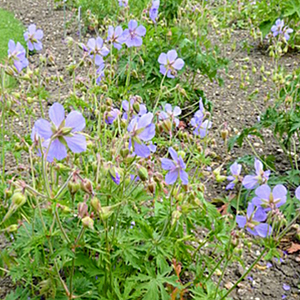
<point x="245" y="274"/>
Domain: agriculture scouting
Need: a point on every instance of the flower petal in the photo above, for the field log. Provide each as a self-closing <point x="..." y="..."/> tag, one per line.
<point x="57" y="114"/>
<point x="241" y="221"/>
<point x="75" y="120"/>
<point x="77" y="143"/>
<point x="173" y="154"/>
<point x="184" y="177"/>
<point x="162" y="59"/>
<point x="178" y="64"/>
<point x="172" y="55"/>
<point x="141" y="150"/>
<point x="57" y="150"/>
<point x="167" y="164"/>
<point x="171" y="177"/>
<point x="42" y="128"/>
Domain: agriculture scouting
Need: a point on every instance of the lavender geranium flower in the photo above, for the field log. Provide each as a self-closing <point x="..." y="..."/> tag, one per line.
<point x="133" y="35"/>
<point x="268" y="199"/>
<point x="115" y="36"/>
<point x="153" y="12"/>
<point x="133" y="107"/>
<point x="235" y="170"/>
<point x="141" y="129"/>
<point x="261" y="177"/>
<point x="279" y="30"/>
<point x="123" y="3"/>
<point x="253" y="221"/>
<point x="170" y="64"/>
<point x="175" y="167"/>
<point x="297" y="193"/>
<point x="97" y="50"/>
<point x="33" y="38"/>
<point x="112" y="116"/>
<point x="17" y="55"/>
<point x="61" y="132"/>
<point x="170" y="114"/>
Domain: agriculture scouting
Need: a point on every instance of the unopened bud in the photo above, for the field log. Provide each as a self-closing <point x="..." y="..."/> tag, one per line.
<point x="95" y="203"/>
<point x="88" y="222"/>
<point x="73" y="187"/>
<point x="18" y="199"/>
<point x="143" y="173"/>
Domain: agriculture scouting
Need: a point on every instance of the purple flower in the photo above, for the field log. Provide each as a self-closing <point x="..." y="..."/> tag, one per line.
<point x="114" y="176"/>
<point x="235" y="170"/>
<point x="261" y="177"/>
<point x="286" y="287"/>
<point x="201" y="127"/>
<point x="153" y="12"/>
<point x="170" y="64"/>
<point x="279" y="29"/>
<point x="152" y="147"/>
<point x="17" y="54"/>
<point x="269" y="265"/>
<point x="123" y="3"/>
<point x="33" y="38"/>
<point x="133" y="107"/>
<point x="175" y="167"/>
<point x="112" y="116"/>
<point x="132" y="35"/>
<point x="268" y="199"/>
<point x="297" y="193"/>
<point x="115" y="36"/>
<point x="100" y="73"/>
<point x="60" y="132"/>
<point x="170" y="114"/>
<point x="253" y="220"/>
<point x="141" y="129"/>
<point x="97" y="50"/>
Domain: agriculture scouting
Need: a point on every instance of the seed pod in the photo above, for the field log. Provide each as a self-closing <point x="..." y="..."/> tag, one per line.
<point x="82" y="209"/>
<point x="86" y="186"/>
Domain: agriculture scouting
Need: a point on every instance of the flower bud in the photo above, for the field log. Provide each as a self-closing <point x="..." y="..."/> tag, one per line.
<point x="181" y="153"/>
<point x="167" y="125"/>
<point x="143" y="173"/>
<point x="224" y="134"/>
<point x="175" y="216"/>
<point x="73" y="186"/>
<point x="11" y="228"/>
<point x="7" y="193"/>
<point x="18" y="199"/>
<point x="88" y="222"/>
<point x="151" y="187"/>
<point x="95" y="203"/>
<point x="124" y="152"/>
<point x="82" y="209"/>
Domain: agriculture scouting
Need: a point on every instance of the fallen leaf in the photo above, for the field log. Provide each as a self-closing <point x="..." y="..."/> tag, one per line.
<point x="294" y="248"/>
